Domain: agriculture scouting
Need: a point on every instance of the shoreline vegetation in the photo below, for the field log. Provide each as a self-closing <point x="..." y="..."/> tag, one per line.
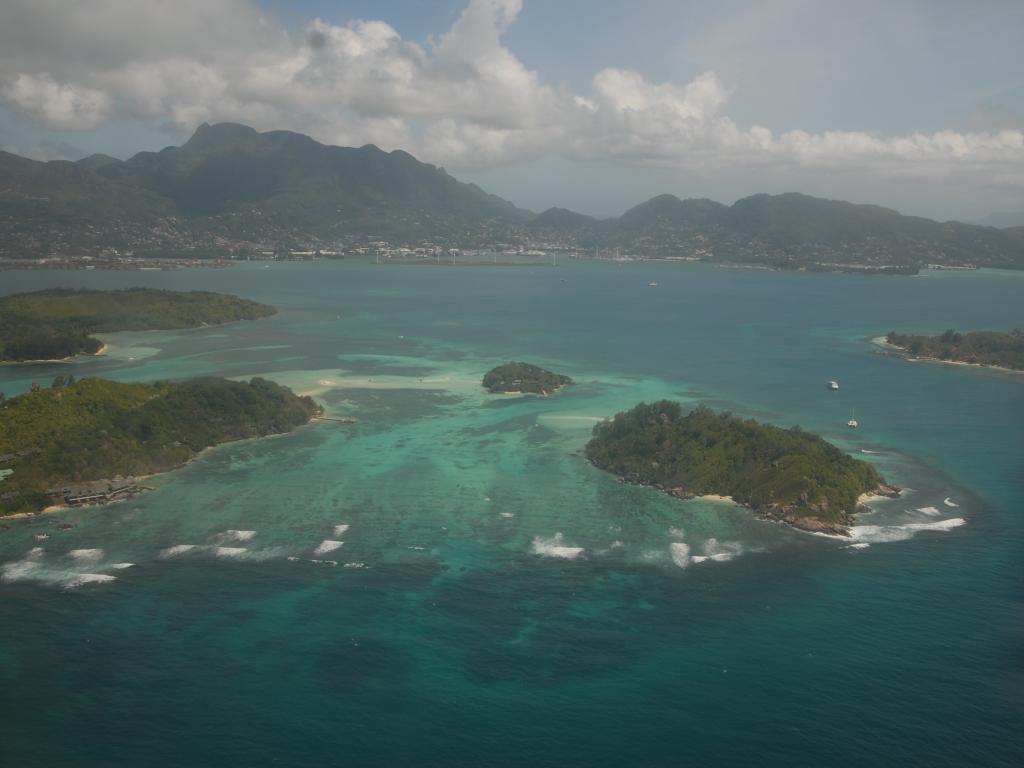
<point x="785" y="475"/>
<point x="57" y="325"/>
<point x="523" y="378"/>
<point x="985" y="349"/>
<point x="94" y="441"/>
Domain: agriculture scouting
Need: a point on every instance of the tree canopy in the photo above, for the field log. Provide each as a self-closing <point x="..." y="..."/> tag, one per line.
<point x="58" y="323"/>
<point x="94" y="429"/>
<point x="997" y="348"/>
<point x="523" y="377"/>
<point x="782" y="473"/>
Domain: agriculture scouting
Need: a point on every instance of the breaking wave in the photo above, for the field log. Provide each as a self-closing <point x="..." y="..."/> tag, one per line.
<point x="949" y="502"/>
<point x="555" y="547"/>
<point x="680" y="553"/>
<point x="230" y="551"/>
<point x="327" y="545"/>
<point x="233" y="535"/>
<point x="930" y="511"/>
<point x="177" y="549"/>
<point x="340" y="529"/>
<point x="33" y="568"/>
<point x="88" y="578"/>
<point x="881" y="534"/>
<point x="86" y="555"/>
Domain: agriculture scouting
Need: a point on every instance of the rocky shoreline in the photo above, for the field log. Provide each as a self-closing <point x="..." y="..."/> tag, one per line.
<point x="789" y="514"/>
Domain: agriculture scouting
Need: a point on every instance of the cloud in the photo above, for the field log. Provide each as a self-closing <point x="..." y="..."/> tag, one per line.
<point x="65" y="105"/>
<point x="463" y="100"/>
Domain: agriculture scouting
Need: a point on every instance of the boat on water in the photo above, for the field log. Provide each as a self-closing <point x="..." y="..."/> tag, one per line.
<point x="652" y="284"/>
<point x="833" y="385"/>
<point x="852" y="423"/>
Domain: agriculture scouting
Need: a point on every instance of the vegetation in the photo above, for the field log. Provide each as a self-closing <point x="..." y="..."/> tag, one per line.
<point x="95" y="429"/>
<point x="232" y="188"/>
<point x="995" y="348"/>
<point x="523" y="377"/>
<point x="783" y="474"/>
<point x="57" y="323"/>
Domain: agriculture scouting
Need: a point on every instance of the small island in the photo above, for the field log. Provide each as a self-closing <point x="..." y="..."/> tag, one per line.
<point x="514" y="378"/>
<point x="994" y="349"/>
<point x="57" y="324"/>
<point x="787" y="475"/>
<point x="89" y="441"/>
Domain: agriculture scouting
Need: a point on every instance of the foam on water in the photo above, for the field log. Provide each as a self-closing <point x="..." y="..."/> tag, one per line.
<point x="949" y="502"/>
<point x="880" y="534"/>
<point x="327" y="545"/>
<point x="19" y="570"/>
<point x="89" y="578"/>
<point x="680" y="553"/>
<point x="930" y="511"/>
<point x="723" y="551"/>
<point x="677" y="533"/>
<point x="89" y="556"/>
<point x="230" y="551"/>
<point x="177" y="549"/>
<point x="33" y="568"/>
<point x="858" y="545"/>
<point x="121" y="566"/>
<point x="555" y="547"/>
<point x="340" y="529"/>
<point x="233" y="535"/>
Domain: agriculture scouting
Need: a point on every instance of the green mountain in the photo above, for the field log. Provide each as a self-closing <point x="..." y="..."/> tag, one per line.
<point x="231" y="188"/>
<point x="246" y="184"/>
<point x="798" y="231"/>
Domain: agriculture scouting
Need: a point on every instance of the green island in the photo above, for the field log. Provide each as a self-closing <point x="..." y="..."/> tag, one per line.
<point x="58" y="323"/>
<point x="88" y="441"/>
<point x="787" y="475"/>
<point x="523" y="377"/>
<point x="996" y="349"/>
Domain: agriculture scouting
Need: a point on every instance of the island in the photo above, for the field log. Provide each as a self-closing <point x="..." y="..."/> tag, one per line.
<point x="523" y="377"/>
<point x="994" y="349"/>
<point x="787" y="475"/>
<point x="58" y="323"/>
<point x="90" y="441"/>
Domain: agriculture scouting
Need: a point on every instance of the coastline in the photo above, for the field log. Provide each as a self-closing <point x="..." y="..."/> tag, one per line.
<point x="98" y="353"/>
<point x="881" y="341"/>
<point x="136" y="479"/>
<point x="777" y="514"/>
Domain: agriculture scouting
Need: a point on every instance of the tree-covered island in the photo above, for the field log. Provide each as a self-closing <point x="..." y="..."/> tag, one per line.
<point x="996" y="349"/>
<point x="59" y="323"/>
<point x="70" y="443"/>
<point x="787" y="475"/>
<point x="523" y="377"/>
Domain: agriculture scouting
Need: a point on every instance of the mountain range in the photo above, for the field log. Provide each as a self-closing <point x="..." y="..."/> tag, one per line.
<point x="232" y="189"/>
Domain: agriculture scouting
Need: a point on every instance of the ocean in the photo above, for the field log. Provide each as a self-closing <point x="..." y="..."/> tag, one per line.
<point x="448" y="583"/>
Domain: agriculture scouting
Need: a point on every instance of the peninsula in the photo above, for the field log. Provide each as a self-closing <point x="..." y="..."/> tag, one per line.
<point x="787" y="475"/>
<point x="523" y="377"/>
<point x="59" y="323"/>
<point x="994" y="349"/>
<point x="60" y="445"/>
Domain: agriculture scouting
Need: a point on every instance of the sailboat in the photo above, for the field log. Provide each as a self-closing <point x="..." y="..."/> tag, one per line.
<point x="852" y="423"/>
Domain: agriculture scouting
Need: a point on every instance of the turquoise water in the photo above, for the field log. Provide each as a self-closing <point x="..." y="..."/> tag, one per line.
<point x="498" y="602"/>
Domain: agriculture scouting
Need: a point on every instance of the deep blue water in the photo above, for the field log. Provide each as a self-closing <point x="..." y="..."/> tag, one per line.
<point x="462" y="642"/>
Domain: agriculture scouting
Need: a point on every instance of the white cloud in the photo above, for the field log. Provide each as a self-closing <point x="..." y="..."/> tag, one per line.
<point x="60" y="105"/>
<point x="463" y="100"/>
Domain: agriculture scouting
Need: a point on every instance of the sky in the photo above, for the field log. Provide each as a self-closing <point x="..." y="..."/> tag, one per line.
<point x="590" y="105"/>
